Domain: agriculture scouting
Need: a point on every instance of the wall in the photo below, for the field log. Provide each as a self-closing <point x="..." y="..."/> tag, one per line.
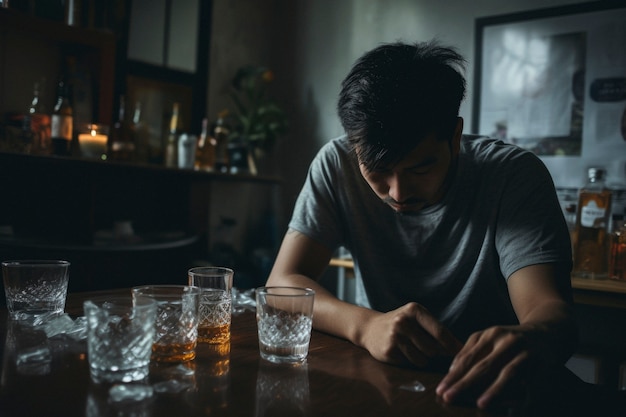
<point x="311" y="45"/>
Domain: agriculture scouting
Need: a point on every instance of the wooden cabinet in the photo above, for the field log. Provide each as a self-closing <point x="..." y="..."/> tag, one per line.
<point x="33" y="50"/>
<point x="67" y="207"/>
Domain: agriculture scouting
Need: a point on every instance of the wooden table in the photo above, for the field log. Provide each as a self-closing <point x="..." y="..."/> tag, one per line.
<point x="339" y="379"/>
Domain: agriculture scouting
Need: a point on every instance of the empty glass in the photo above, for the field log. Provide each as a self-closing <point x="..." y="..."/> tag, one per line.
<point x="120" y="337"/>
<point x="35" y="289"/>
<point x="284" y="319"/>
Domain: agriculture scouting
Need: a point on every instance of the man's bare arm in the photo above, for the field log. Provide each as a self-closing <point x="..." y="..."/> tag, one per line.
<point x="497" y="357"/>
<point x="300" y="262"/>
<point x="407" y="335"/>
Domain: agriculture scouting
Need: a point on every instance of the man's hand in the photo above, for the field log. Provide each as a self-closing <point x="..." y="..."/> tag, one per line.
<point x="408" y="335"/>
<point x="490" y="366"/>
<point x="496" y="360"/>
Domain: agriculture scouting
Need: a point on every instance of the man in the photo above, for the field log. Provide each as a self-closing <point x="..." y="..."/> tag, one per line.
<point x="459" y="244"/>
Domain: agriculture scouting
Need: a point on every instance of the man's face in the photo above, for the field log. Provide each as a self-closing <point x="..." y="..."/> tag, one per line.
<point x="420" y="179"/>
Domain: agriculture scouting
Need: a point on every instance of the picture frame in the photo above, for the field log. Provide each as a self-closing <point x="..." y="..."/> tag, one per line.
<point x="554" y="81"/>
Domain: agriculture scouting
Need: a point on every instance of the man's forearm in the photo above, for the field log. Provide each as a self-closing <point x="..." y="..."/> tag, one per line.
<point x="552" y="330"/>
<point x="330" y="314"/>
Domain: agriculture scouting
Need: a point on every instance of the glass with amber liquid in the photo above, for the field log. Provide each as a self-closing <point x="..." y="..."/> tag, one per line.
<point x="592" y="244"/>
<point x="617" y="254"/>
<point x="215" y="303"/>
<point x="176" y="320"/>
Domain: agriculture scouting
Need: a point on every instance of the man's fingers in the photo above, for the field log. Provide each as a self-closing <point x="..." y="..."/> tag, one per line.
<point x="445" y="342"/>
<point x="501" y="387"/>
<point x="411" y="353"/>
<point x="482" y="370"/>
<point x="416" y="337"/>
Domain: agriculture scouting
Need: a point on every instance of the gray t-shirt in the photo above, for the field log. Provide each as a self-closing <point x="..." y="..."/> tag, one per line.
<point x="500" y="214"/>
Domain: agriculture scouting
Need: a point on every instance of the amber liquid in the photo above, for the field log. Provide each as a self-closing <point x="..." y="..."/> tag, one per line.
<point x="214" y="334"/>
<point x="591" y="256"/>
<point x="174" y="352"/>
<point x="617" y="259"/>
<point x="219" y="368"/>
<point x="205" y="151"/>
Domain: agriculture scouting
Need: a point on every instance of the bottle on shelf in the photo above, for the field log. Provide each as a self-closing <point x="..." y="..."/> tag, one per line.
<point x="121" y="144"/>
<point x="221" y="133"/>
<point x="205" y="151"/>
<point x="186" y="150"/>
<point x="594" y="207"/>
<point x="140" y="135"/>
<point x="39" y="124"/>
<point x="62" y="122"/>
<point x="171" y="145"/>
<point x="617" y="253"/>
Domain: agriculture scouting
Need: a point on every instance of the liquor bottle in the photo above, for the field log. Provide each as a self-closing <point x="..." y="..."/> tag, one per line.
<point x="121" y="144"/>
<point x="205" y="151"/>
<point x="594" y="206"/>
<point x="171" y="146"/>
<point x="221" y="133"/>
<point x="617" y="253"/>
<point x="39" y="124"/>
<point x="62" y="122"/>
<point x="140" y="135"/>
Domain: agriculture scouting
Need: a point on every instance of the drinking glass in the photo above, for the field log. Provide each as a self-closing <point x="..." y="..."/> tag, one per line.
<point x="120" y="334"/>
<point x="35" y="289"/>
<point x="284" y="319"/>
<point x="176" y="320"/>
<point x="215" y="302"/>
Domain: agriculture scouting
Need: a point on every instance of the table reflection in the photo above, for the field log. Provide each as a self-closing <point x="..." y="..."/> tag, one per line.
<point x="122" y="400"/>
<point x="27" y="351"/>
<point x="282" y="389"/>
<point x="212" y="379"/>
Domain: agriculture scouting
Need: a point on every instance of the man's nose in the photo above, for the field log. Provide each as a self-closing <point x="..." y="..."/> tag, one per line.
<point x="397" y="188"/>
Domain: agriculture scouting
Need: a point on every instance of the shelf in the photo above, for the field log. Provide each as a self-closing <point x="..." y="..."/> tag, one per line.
<point x="16" y="21"/>
<point x="605" y="285"/>
<point x="33" y="48"/>
<point x="113" y="168"/>
<point x="67" y="208"/>
<point x="152" y="242"/>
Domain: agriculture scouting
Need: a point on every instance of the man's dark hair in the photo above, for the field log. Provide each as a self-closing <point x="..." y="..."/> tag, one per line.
<point x="398" y="93"/>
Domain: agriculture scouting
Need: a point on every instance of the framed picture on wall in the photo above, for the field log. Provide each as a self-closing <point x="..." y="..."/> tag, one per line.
<point x="554" y="81"/>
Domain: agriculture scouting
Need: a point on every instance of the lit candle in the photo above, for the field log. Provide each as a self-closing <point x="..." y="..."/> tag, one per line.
<point x="93" y="144"/>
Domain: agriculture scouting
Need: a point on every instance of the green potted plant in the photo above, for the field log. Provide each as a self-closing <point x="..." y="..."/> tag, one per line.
<point x="257" y="120"/>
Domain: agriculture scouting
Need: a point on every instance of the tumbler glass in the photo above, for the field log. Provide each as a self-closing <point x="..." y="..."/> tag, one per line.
<point x="215" y="302"/>
<point x="120" y="335"/>
<point x="35" y="289"/>
<point x="176" y="320"/>
<point x="284" y="319"/>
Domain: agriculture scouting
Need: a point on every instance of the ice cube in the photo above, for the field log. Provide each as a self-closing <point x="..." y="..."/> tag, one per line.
<point x="58" y="325"/>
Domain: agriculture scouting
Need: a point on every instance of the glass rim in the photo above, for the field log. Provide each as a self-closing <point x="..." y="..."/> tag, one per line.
<point x="145" y="302"/>
<point x="217" y="270"/>
<point x="35" y="262"/>
<point x="296" y="291"/>
<point x="161" y="288"/>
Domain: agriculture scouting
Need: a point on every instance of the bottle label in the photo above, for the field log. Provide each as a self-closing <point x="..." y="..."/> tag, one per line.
<point x="61" y="126"/>
<point x="592" y="216"/>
